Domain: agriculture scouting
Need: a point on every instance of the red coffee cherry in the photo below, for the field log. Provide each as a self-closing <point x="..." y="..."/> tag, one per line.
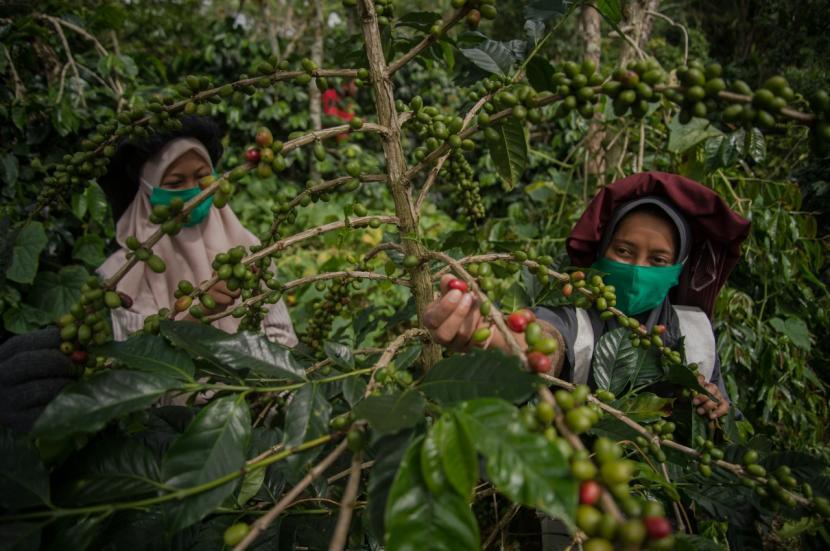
<point x="252" y="155"/>
<point x="459" y="284"/>
<point x="538" y="362"/>
<point x="657" y="527"/>
<point x="589" y="492"/>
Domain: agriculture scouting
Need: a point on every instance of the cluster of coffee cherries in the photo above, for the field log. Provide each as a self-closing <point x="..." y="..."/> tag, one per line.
<point x="466" y="190"/>
<point x="539" y="345"/>
<point x="664" y="430"/>
<point x="631" y="88"/>
<point x="265" y="155"/>
<point x="608" y="472"/>
<point x="143" y="254"/>
<point x="334" y="302"/>
<point x="434" y="128"/>
<point x="168" y="216"/>
<point x="478" y="9"/>
<point x="88" y="321"/>
<point x="576" y="85"/>
<point x="604" y="296"/>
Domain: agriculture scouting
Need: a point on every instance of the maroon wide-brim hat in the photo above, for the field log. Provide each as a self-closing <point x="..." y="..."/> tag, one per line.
<point x="717" y="231"/>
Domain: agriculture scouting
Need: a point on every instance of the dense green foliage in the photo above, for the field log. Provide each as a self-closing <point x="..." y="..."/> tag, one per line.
<point x="772" y="319"/>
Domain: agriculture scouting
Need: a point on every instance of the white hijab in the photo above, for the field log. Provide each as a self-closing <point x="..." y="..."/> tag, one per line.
<point x="188" y="254"/>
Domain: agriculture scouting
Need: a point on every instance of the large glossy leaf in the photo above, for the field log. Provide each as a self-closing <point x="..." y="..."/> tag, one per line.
<point x="76" y="534"/>
<point x="523" y="465"/>
<point x="539" y="71"/>
<point x="27" y="247"/>
<point x="90" y="250"/>
<point x="212" y="446"/>
<point x="306" y="418"/>
<point x="617" y="363"/>
<point x="509" y="151"/>
<point x="390" y="413"/>
<point x="388" y="453"/>
<point x="86" y="406"/>
<point x="110" y="470"/>
<point x="242" y="351"/>
<point x="339" y="354"/>
<point x="478" y="374"/>
<point x="56" y="292"/>
<point x="457" y="452"/>
<point x="644" y="407"/>
<point x="686" y="136"/>
<point x="151" y="353"/>
<point x="611" y="10"/>
<point x="491" y="56"/>
<point x="418" y="520"/>
<point x="23" y="478"/>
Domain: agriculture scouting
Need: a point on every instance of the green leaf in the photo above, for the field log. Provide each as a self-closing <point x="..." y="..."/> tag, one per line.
<point x="686" y="136"/>
<point x="25" y="318"/>
<point x="388" y="453"/>
<point x="478" y="374"/>
<point x="10" y="168"/>
<point x="96" y="203"/>
<point x="611" y="10"/>
<point x="390" y="413"/>
<point x="417" y="519"/>
<point x="353" y="389"/>
<point x="509" y="151"/>
<point x="111" y="470"/>
<point x="339" y="354"/>
<point x="755" y="145"/>
<point x="78" y="204"/>
<point x="457" y="452"/>
<point x="56" y="292"/>
<point x="27" y="248"/>
<point x="307" y="417"/>
<point x="491" y="56"/>
<point x="90" y="250"/>
<point x="87" y="405"/>
<point x="250" y="486"/>
<point x="684" y="377"/>
<point x="150" y="353"/>
<point x="76" y="534"/>
<point x="242" y="351"/>
<point x="539" y="71"/>
<point x="24" y="481"/>
<point x="692" y="542"/>
<point x="644" y="407"/>
<point x="617" y="363"/>
<point x="20" y="536"/>
<point x="212" y="446"/>
<point x="794" y="329"/>
<point x="523" y="465"/>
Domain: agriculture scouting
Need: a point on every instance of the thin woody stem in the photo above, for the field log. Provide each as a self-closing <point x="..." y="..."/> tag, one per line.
<point x="347" y="504"/>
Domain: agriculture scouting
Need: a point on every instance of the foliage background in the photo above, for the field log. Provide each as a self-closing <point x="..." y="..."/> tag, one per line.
<point x="772" y="320"/>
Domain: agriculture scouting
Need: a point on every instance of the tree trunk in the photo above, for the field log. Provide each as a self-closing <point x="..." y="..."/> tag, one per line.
<point x="589" y="23"/>
<point x="640" y="23"/>
<point x="318" y="23"/>
<point x="396" y="166"/>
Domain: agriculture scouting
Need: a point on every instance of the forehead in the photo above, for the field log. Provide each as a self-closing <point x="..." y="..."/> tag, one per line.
<point x="187" y="161"/>
<point x="644" y="225"/>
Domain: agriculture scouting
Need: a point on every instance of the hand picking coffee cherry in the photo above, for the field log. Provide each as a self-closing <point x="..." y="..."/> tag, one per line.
<point x="459" y="284"/>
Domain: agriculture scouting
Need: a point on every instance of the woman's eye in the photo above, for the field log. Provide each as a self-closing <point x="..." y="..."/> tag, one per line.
<point x="622" y="251"/>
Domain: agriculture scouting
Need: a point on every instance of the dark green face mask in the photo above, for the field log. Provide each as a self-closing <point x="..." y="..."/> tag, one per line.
<point x="639" y="288"/>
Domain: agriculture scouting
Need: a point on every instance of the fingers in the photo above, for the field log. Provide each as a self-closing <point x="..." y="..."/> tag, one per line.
<point x="222" y="287"/>
<point x="441" y="309"/>
<point x="449" y="328"/>
<point x="445" y="283"/>
<point x="467" y="327"/>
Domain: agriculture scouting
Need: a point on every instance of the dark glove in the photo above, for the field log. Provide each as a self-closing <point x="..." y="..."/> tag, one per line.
<point x="32" y="372"/>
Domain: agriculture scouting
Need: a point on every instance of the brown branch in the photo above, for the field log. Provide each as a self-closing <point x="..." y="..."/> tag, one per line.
<point x="391" y="349"/>
<point x="341" y="530"/>
<point x="343" y="474"/>
<point x="503" y="522"/>
<point x="264" y="521"/>
<point x="70" y="58"/>
<point x="19" y="88"/>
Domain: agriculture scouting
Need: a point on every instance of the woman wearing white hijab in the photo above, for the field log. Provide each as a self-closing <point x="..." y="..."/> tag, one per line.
<point x="152" y="172"/>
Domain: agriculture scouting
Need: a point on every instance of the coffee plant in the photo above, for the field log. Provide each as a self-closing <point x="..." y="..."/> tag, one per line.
<point x="367" y="433"/>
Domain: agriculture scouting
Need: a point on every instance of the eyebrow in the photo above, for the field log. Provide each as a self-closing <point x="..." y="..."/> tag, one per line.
<point x="634" y="245"/>
<point x="182" y="175"/>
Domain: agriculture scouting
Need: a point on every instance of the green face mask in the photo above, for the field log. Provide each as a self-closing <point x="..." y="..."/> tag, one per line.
<point x="161" y="196"/>
<point x="638" y="288"/>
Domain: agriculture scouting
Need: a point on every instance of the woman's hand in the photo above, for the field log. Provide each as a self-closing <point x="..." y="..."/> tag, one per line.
<point x="223" y="296"/>
<point x="708" y="407"/>
<point x="453" y="318"/>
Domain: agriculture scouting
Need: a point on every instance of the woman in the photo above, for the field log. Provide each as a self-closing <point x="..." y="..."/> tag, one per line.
<point x="153" y="172"/>
<point x="667" y="244"/>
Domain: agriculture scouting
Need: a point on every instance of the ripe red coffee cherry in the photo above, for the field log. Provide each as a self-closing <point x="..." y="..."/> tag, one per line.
<point x="517" y="321"/>
<point x="459" y="284"/>
<point x="538" y="362"/>
<point x="657" y="527"/>
<point x="252" y="155"/>
<point x="589" y="492"/>
<point x="79" y="357"/>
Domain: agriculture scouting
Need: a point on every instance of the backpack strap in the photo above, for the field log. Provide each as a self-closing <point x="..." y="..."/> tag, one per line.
<point x="699" y="341"/>
<point x="583" y="346"/>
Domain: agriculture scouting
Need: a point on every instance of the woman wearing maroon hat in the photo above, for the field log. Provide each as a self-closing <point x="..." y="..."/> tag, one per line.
<point x="666" y="243"/>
